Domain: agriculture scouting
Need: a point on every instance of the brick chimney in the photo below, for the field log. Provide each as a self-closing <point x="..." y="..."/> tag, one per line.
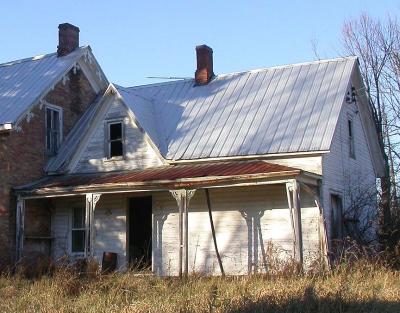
<point x="204" y="72"/>
<point x="68" y="39"/>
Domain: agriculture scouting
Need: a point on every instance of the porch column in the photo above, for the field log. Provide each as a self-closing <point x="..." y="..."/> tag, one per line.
<point x="20" y="229"/>
<point x="91" y="201"/>
<point x="293" y="191"/>
<point x="182" y="197"/>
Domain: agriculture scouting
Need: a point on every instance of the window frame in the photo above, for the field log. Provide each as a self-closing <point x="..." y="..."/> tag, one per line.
<point x="351" y="137"/>
<point x="108" y="141"/>
<point x="59" y="110"/>
<point x="72" y="229"/>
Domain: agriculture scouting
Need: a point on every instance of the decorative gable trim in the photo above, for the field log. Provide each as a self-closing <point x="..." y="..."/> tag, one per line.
<point x="97" y="82"/>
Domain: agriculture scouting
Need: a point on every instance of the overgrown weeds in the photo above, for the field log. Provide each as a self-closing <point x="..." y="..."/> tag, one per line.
<point x="355" y="285"/>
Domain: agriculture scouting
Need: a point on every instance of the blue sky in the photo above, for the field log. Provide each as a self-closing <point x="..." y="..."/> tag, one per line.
<point x="133" y="40"/>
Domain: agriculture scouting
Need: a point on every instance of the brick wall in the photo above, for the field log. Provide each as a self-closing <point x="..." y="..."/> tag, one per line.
<point x="23" y="155"/>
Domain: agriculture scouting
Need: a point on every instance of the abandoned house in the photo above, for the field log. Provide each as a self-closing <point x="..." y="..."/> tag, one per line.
<point x="267" y="160"/>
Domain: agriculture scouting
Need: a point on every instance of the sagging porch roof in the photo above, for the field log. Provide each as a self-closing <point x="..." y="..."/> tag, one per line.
<point x="160" y="178"/>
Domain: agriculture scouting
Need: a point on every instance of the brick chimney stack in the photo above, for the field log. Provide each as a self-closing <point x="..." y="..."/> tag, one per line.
<point x="68" y="39"/>
<point x="204" y="72"/>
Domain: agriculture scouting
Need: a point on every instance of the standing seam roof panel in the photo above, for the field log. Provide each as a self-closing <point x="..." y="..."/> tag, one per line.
<point x="285" y="109"/>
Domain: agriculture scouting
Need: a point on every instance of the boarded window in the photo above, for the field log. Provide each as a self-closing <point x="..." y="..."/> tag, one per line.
<point x="53" y="129"/>
<point x="78" y="230"/>
<point x="115" y="140"/>
<point x="336" y="217"/>
<point x="351" y="139"/>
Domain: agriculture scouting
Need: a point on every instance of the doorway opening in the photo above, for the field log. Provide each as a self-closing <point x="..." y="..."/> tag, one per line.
<point x="140" y="232"/>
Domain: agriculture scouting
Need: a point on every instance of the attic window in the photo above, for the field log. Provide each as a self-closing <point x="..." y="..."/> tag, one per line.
<point x="54" y="128"/>
<point x="352" y="153"/>
<point x="115" y="139"/>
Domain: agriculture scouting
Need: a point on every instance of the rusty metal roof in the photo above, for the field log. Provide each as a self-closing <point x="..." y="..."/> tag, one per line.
<point x="165" y="175"/>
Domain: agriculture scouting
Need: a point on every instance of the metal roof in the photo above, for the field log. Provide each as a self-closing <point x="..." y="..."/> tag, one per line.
<point x="165" y="175"/>
<point x="283" y="109"/>
<point x="22" y="82"/>
<point x="74" y="137"/>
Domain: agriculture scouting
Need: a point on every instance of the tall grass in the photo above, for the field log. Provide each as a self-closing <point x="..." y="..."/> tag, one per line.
<point x="359" y="286"/>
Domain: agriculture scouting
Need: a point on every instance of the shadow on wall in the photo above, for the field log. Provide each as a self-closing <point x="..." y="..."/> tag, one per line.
<point x="158" y="224"/>
<point x="255" y="239"/>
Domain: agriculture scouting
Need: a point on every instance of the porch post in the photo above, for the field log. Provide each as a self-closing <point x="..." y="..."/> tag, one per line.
<point x="188" y="195"/>
<point x="297" y="221"/>
<point x="182" y="198"/>
<point x="91" y="201"/>
<point x="20" y="229"/>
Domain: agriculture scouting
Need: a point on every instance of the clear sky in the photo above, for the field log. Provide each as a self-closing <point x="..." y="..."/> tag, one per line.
<point x="136" y="39"/>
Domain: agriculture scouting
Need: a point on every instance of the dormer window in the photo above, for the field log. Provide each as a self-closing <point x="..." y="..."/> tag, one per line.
<point x="115" y="139"/>
<point x="352" y="153"/>
<point x="53" y="128"/>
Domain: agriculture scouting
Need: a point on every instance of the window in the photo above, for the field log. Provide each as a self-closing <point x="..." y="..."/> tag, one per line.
<point x="336" y="218"/>
<point x="78" y="230"/>
<point x="352" y="153"/>
<point x="53" y="128"/>
<point x="115" y="139"/>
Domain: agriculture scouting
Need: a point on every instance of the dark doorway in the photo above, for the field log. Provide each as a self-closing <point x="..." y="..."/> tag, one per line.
<point x="140" y="232"/>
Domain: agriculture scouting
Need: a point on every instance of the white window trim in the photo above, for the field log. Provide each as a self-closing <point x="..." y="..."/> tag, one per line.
<point x="61" y="119"/>
<point x="71" y="228"/>
<point x="107" y="140"/>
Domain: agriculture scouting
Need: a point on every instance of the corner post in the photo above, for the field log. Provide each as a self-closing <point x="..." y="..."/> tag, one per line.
<point x="20" y="229"/>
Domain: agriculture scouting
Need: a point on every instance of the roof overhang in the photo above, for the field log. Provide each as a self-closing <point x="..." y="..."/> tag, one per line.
<point x="212" y="175"/>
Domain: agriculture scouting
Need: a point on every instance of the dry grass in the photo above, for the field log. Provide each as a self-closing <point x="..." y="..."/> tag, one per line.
<point x="360" y="287"/>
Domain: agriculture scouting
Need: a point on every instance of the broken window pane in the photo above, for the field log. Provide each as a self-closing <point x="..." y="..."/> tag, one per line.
<point x="115" y="140"/>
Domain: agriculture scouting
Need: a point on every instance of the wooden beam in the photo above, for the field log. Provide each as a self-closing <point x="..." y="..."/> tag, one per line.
<point x="213" y="232"/>
<point x="20" y="229"/>
<point x="297" y="222"/>
<point x="91" y="201"/>
<point x="182" y="198"/>
<point x="289" y="193"/>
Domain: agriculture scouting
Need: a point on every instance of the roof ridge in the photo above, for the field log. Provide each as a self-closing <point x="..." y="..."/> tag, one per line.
<point x="288" y="65"/>
<point x="242" y="72"/>
<point x="156" y="84"/>
<point x="34" y="58"/>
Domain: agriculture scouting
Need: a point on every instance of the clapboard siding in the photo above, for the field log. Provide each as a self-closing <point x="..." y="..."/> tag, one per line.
<point x="138" y="152"/>
<point x="249" y="221"/>
<point x="311" y="164"/>
<point x="110" y="227"/>
<point x="61" y="225"/>
<point x="342" y="174"/>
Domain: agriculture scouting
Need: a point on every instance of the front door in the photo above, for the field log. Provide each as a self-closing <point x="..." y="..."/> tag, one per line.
<point x="140" y="232"/>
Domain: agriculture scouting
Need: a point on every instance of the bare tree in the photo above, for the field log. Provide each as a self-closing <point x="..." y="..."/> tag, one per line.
<point x="377" y="44"/>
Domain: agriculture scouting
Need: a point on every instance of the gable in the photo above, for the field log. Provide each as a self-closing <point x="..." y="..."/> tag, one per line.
<point x="288" y="109"/>
<point x="138" y="153"/>
<point x="24" y="83"/>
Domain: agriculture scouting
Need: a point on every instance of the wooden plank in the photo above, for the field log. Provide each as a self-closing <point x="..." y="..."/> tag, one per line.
<point x="297" y="222"/>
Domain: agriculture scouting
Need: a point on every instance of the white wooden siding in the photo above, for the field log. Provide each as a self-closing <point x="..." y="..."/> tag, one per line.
<point x="344" y="175"/>
<point x="250" y="222"/>
<point x="138" y="152"/>
<point x="110" y="227"/>
<point x="311" y="164"/>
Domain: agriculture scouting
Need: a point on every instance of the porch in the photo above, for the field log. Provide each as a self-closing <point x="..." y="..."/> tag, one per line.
<point x="257" y="209"/>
